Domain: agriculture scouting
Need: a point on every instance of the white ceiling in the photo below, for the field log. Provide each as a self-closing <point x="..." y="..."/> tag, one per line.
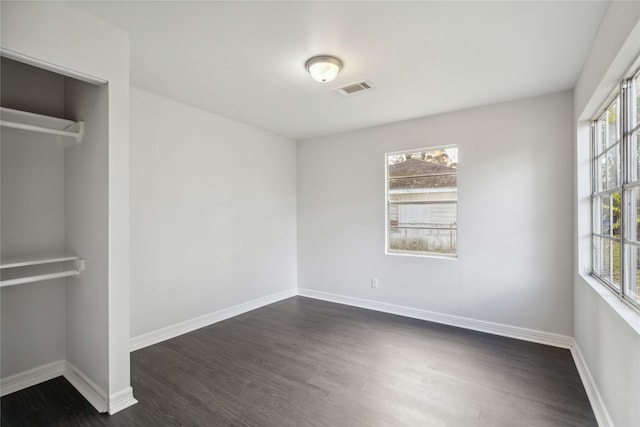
<point x="245" y="60"/>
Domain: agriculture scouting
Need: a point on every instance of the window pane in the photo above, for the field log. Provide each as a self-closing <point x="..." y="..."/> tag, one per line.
<point x="613" y="125"/>
<point x="632" y="206"/>
<point x="611" y="262"/>
<point x="600" y="135"/>
<point x="393" y="215"/>
<point x="632" y="274"/>
<point x="606" y="215"/>
<point x="615" y="215"/>
<point x="613" y="168"/>
<point x="634" y="158"/>
<point x="439" y="241"/>
<point x="616" y="266"/>
<point x="606" y="259"/>
<point x="597" y="214"/>
<point x="432" y="215"/>
<point x="600" y="169"/>
<point x="635" y="103"/>
<point x="436" y="183"/>
<point x="447" y="157"/>
<point x="597" y="255"/>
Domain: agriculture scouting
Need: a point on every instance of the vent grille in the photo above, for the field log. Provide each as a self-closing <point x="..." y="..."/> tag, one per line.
<point x="352" y="88"/>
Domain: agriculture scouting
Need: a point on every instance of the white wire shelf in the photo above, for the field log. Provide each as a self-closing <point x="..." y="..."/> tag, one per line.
<point x="23" y="120"/>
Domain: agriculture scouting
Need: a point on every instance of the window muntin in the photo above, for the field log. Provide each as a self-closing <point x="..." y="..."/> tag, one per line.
<point x="422" y="201"/>
<point x="616" y="193"/>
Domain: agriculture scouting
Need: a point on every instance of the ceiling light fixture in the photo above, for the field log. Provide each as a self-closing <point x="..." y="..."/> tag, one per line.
<point x="323" y="68"/>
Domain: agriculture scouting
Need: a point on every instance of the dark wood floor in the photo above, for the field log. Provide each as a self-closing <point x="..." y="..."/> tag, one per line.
<point x="302" y="362"/>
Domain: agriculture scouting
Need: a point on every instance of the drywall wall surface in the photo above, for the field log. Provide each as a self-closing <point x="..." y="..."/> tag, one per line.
<point x="605" y="329"/>
<point x="32" y="89"/>
<point x="514" y="216"/>
<point x="86" y="199"/>
<point x="33" y="319"/>
<point x="31" y="220"/>
<point x="610" y="347"/>
<point x="213" y="212"/>
<point x="613" y="52"/>
<point x="56" y="35"/>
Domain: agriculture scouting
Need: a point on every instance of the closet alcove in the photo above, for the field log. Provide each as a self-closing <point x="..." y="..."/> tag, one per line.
<point x="53" y="229"/>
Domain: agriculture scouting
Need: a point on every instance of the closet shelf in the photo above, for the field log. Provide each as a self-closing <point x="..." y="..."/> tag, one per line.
<point x="9" y="263"/>
<point x="24" y="120"/>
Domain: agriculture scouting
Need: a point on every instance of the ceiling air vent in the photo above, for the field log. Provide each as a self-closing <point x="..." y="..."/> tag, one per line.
<point x="352" y="88"/>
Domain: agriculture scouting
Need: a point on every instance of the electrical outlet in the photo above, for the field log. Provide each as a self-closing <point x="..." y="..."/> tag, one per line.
<point x="374" y="283"/>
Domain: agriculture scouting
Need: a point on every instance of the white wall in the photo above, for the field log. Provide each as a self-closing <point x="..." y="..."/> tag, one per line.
<point x="515" y="227"/>
<point x="213" y="213"/>
<point x="86" y="200"/>
<point x="606" y="331"/>
<point x="32" y="221"/>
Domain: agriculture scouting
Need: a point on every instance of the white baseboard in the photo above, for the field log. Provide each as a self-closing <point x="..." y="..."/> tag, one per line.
<point x="47" y="372"/>
<point x="87" y="388"/>
<point x="31" y="377"/>
<point x="121" y="400"/>
<point x="173" y="331"/>
<point x="595" y="399"/>
<point x="124" y="398"/>
<point x="525" y="334"/>
<point x="562" y="341"/>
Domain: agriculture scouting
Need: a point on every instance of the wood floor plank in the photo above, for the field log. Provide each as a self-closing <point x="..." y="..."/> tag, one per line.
<point x="303" y="362"/>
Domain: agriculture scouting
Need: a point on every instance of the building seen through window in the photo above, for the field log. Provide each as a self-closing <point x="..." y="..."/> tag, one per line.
<point x="422" y="201"/>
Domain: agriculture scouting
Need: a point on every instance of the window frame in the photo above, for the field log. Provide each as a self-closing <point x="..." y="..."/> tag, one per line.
<point x="626" y="106"/>
<point x="388" y="204"/>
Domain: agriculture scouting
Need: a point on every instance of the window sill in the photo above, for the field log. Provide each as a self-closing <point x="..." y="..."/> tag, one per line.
<point x="422" y="255"/>
<point x="628" y="314"/>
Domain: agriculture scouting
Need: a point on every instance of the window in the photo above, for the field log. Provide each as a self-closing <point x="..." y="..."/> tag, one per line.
<point x="615" y="180"/>
<point x="422" y="201"/>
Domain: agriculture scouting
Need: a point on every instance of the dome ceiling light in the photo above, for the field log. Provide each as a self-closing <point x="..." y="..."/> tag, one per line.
<point x="323" y="68"/>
